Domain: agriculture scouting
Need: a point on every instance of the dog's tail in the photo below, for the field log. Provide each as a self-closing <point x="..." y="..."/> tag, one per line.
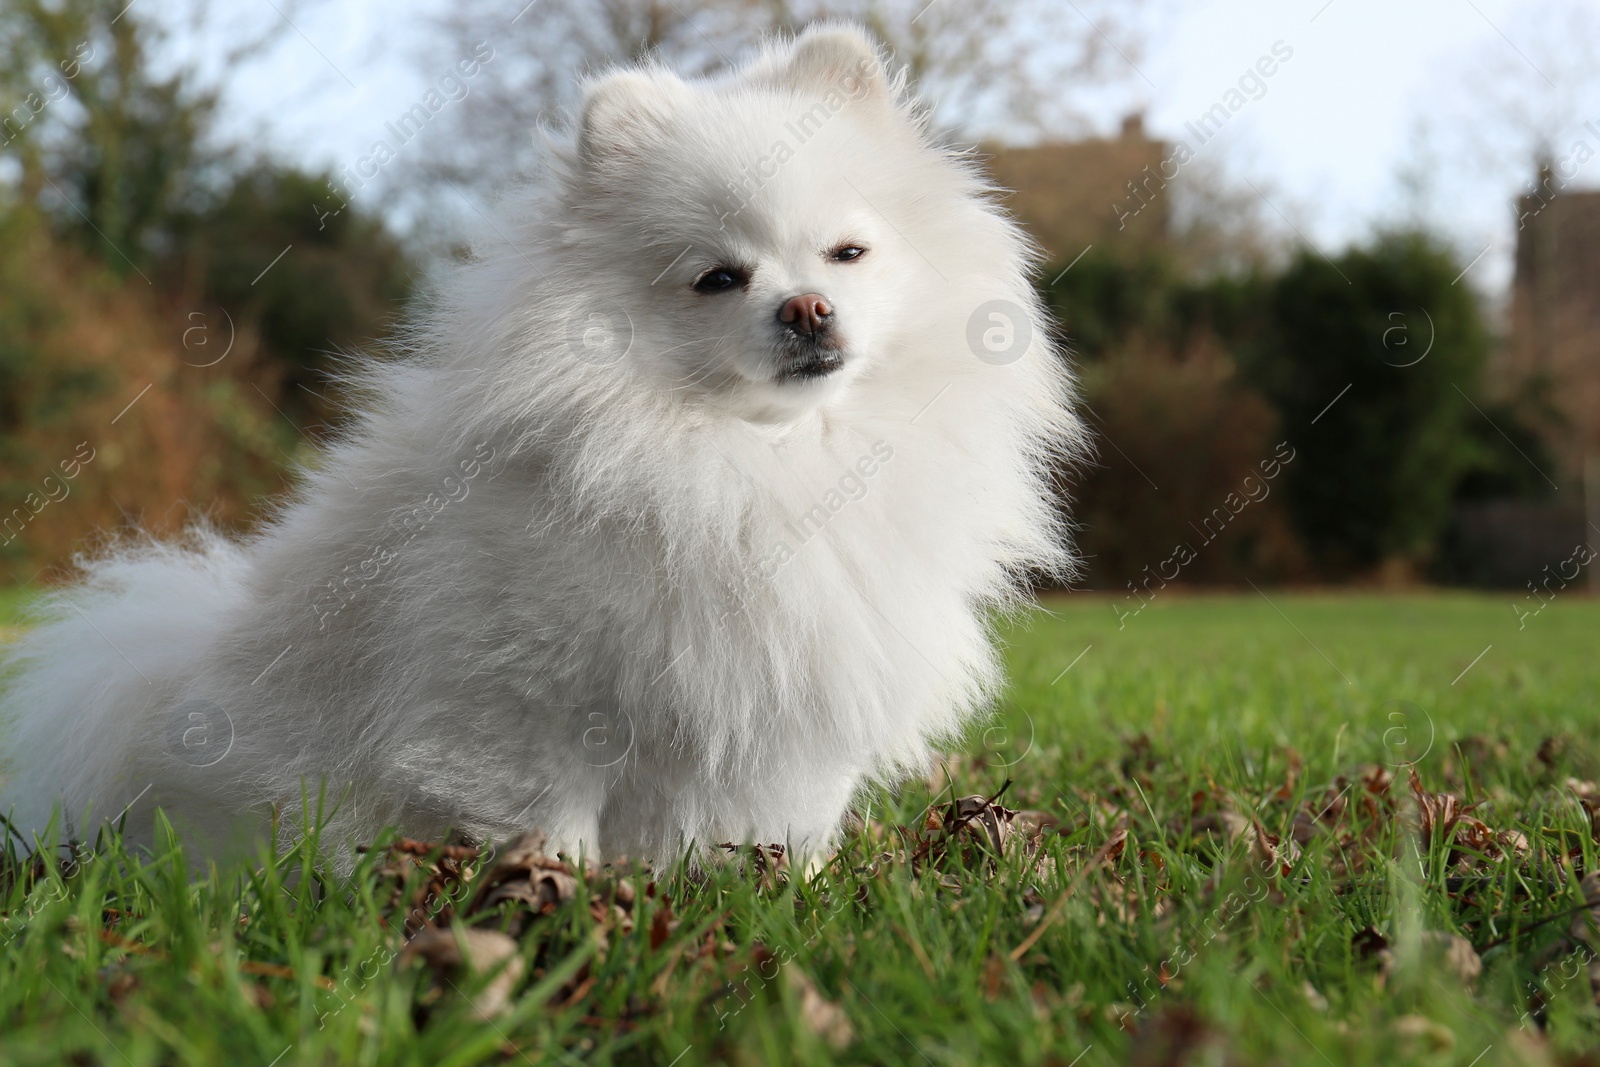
<point x="86" y="694"/>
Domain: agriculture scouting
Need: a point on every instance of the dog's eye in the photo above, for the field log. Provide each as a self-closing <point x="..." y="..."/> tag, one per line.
<point x="717" y="279"/>
<point x="845" y="253"/>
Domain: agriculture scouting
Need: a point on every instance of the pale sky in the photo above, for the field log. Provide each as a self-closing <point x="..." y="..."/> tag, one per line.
<point x="1326" y="142"/>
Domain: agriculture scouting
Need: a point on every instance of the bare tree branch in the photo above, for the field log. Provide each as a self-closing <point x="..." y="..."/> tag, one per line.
<point x="1527" y="87"/>
<point x="991" y="69"/>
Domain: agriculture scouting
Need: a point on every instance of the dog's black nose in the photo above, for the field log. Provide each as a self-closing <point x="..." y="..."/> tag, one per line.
<point x="806" y="314"/>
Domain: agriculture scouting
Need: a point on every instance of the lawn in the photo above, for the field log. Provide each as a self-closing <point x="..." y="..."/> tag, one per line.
<point x="13" y="602"/>
<point x="1221" y="857"/>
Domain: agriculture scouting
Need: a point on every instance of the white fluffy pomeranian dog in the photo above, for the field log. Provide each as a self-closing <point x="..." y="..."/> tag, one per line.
<point x="686" y="517"/>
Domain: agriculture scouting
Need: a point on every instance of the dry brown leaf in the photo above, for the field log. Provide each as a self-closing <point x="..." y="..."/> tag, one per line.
<point x="977" y="819"/>
<point x="1229" y="825"/>
<point x="818" y="1014"/>
<point x="1420" y="1032"/>
<point x="1452" y="953"/>
<point x="454" y="953"/>
<point x="1272" y="854"/>
<point x="447" y="868"/>
<point x="525" y="874"/>
<point x="1440" y="951"/>
<point x="1585" y="925"/>
<point x="976" y="829"/>
<point x="1437" y="813"/>
<point x="1471" y="840"/>
<point x="768" y="865"/>
<point x="535" y="884"/>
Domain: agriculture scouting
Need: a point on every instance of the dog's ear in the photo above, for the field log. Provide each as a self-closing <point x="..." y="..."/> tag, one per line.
<point x="838" y="58"/>
<point x="626" y="114"/>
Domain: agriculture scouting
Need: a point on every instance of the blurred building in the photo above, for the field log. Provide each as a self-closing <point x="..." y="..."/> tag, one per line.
<point x="1107" y="191"/>
<point x="1553" y="354"/>
<point x="1555" y="317"/>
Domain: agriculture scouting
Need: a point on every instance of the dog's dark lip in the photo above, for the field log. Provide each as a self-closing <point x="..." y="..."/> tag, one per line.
<point x="816" y="364"/>
<point x="810" y="358"/>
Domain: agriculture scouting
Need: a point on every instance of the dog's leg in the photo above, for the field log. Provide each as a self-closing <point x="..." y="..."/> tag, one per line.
<point x="567" y="810"/>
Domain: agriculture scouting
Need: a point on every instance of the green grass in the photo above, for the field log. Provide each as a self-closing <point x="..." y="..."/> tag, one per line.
<point x="12" y="604"/>
<point x="1089" y="947"/>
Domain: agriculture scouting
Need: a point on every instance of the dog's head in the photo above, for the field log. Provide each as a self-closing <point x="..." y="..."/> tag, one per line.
<point x="760" y="232"/>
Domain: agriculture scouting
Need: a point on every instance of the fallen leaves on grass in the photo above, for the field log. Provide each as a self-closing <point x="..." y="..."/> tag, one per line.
<point x="1442" y="817"/>
<point x="464" y="917"/>
<point x="963" y="841"/>
<point x="527" y="883"/>
<point x="974" y="827"/>
<point x="446" y="870"/>
<point x="972" y="834"/>
<point x="767" y="865"/>
<point x="485" y="921"/>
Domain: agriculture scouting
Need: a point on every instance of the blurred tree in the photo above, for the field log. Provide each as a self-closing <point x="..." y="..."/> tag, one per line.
<point x="108" y="145"/>
<point x="1509" y="453"/>
<point x="166" y="301"/>
<point x="105" y="418"/>
<point x="1372" y="361"/>
<point x="31" y="390"/>
<point x="1109" y="301"/>
<point x="1179" y="491"/>
<point x="1178" y="428"/>
<point x="1105" y="299"/>
<point x="276" y="251"/>
<point x="992" y="68"/>
<point x="122" y="156"/>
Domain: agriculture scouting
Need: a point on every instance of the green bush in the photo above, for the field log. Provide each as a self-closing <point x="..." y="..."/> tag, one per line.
<point x="1373" y="361"/>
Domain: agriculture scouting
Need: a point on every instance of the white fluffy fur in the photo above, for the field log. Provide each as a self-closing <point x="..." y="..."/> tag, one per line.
<point x="614" y="567"/>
